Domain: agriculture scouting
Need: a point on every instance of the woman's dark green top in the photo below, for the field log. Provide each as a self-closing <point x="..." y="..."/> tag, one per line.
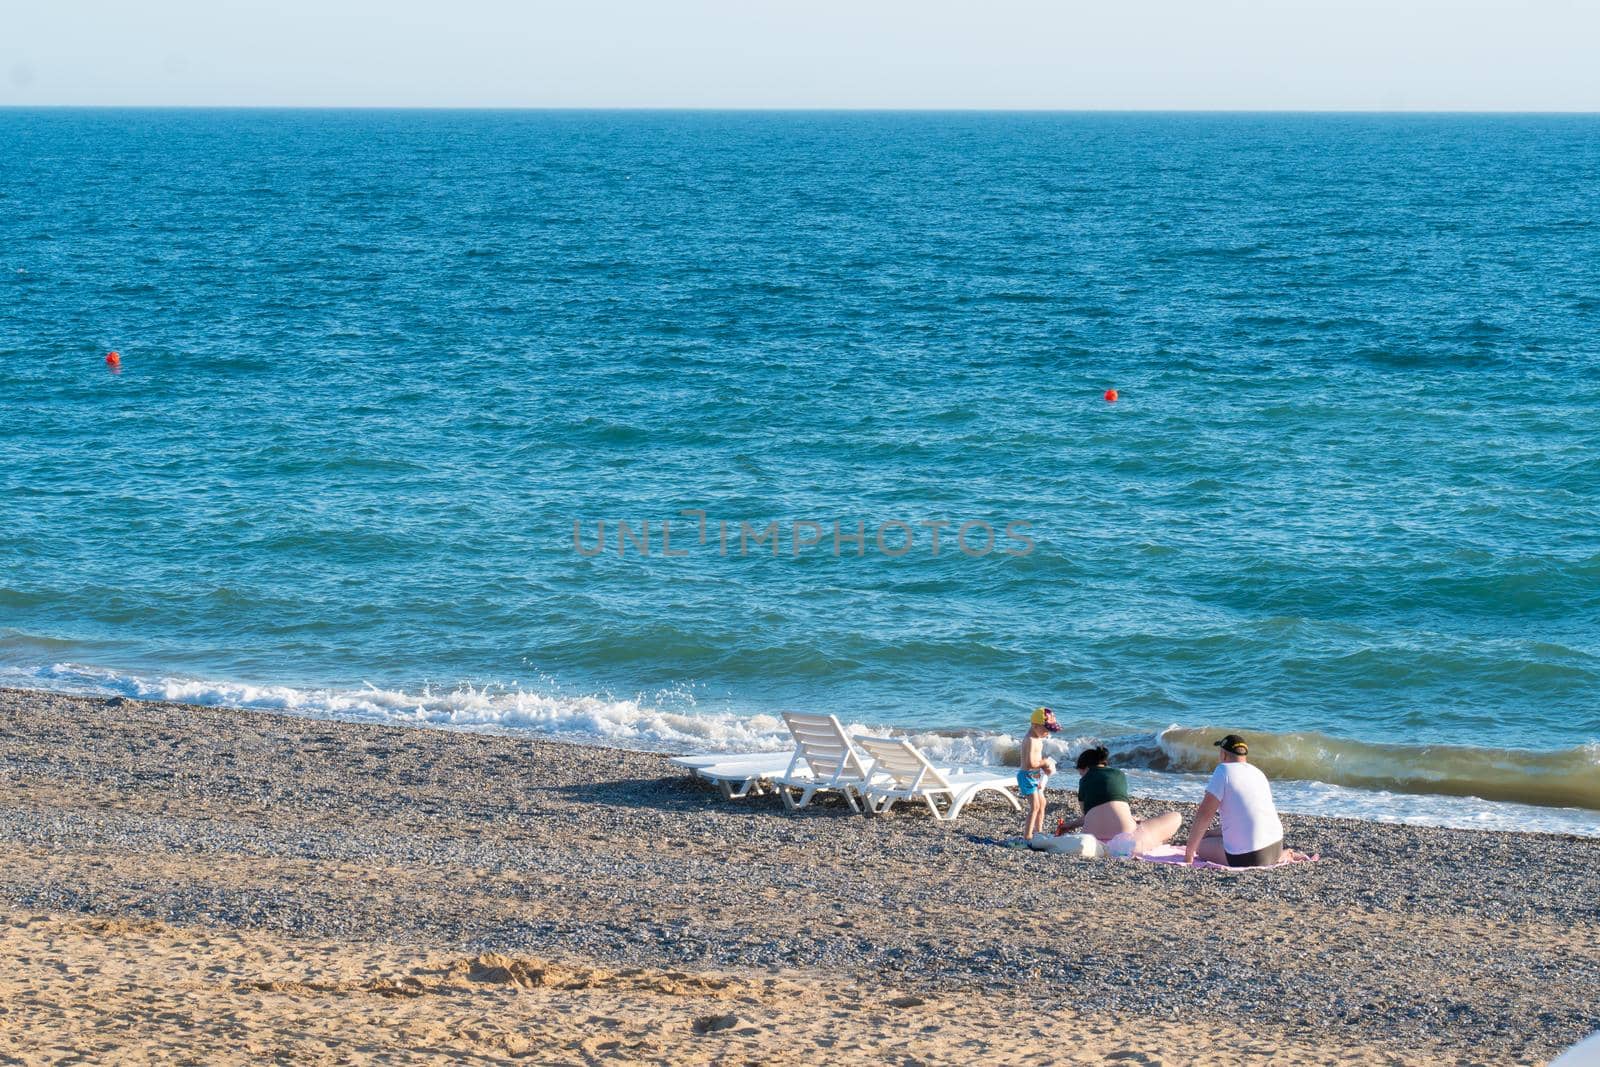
<point x="1099" y="785"/>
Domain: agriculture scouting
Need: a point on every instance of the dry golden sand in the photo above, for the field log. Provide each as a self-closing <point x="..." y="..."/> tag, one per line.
<point x="141" y="992"/>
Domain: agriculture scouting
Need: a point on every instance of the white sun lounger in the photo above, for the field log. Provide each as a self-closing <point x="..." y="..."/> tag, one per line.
<point x="729" y="759"/>
<point x="694" y="763"/>
<point x="1585" y="1053"/>
<point x="824" y="761"/>
<point x="901" y="772"/>
<point x="737" y="775"/>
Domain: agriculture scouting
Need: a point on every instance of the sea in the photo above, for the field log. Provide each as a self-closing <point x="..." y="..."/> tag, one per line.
<point x="640" y="428"/>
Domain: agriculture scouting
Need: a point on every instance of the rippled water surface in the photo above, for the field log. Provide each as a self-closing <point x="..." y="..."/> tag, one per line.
<point x="376" y="364"/>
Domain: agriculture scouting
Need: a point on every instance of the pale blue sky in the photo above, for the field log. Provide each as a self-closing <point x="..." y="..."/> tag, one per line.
<point x="1310" y="54"/>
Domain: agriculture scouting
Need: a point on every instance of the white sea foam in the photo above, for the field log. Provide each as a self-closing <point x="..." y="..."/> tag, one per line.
<point x="1373" y="805"/>
<point x="637" y="724"/>
<point x="627" y="723"/>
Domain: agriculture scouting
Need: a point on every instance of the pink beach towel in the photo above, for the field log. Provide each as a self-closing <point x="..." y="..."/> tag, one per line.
<point x="1173" y="854"/>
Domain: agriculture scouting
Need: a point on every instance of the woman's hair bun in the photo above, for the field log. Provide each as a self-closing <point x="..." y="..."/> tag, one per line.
<point x="1093" y="757"/>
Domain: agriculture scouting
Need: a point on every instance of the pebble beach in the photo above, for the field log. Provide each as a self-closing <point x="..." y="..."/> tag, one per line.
<point x="182" y="884"/>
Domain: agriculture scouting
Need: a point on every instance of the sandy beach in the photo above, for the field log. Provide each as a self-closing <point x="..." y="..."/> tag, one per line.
<point x="185" y="885"/>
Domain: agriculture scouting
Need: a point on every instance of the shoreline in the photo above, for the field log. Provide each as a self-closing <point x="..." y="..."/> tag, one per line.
<point x="1160" y="799"/>
<point x="319" y="843"/>
<point x="1377" y="782"/>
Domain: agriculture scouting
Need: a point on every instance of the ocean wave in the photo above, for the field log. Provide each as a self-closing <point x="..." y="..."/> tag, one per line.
<point x="1438" y="785"/>
<point x="1563" y="778"/>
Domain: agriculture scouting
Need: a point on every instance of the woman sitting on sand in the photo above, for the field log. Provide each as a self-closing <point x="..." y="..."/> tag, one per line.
<point x="1103" y="792"/>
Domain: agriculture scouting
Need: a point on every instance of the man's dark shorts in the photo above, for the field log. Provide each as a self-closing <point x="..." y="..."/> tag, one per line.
<point x="1261" y="857"/>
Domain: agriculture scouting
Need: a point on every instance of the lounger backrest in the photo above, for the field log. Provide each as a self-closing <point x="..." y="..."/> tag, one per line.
<point x="821" y="742"/>
<point x="903" y="762"/>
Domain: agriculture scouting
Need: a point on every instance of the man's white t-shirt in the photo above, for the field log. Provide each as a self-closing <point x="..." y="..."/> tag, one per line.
<point x="1249" y="820"/>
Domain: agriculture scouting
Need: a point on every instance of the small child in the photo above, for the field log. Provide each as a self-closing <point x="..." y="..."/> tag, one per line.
<point x="1036" y="769"/>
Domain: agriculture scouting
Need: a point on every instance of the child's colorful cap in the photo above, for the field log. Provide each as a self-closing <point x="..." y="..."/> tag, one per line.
<point x="1046" y="718"/>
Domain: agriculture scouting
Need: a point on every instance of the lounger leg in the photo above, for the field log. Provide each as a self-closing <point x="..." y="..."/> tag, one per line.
<point x="849" y="792"/>
<point x="954" y="803"/>
<point x="726" y="789"/>
<point x="791" y="803"/>
<point x="960" y="801"/>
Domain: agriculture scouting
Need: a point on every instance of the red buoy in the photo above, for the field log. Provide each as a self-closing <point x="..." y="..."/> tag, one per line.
<point x="113" y="359"/>
<point x="1111" y="396"/>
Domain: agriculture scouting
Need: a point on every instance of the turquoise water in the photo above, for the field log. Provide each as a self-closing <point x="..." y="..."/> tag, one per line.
<point x="375" y="365"/>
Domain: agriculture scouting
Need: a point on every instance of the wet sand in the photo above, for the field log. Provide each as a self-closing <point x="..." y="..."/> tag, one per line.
<point x="190" y="885"/>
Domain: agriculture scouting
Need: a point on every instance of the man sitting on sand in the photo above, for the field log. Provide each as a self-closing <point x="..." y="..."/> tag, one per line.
<point x="1103" y="794"/>
<point x="1251" y="834"/>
